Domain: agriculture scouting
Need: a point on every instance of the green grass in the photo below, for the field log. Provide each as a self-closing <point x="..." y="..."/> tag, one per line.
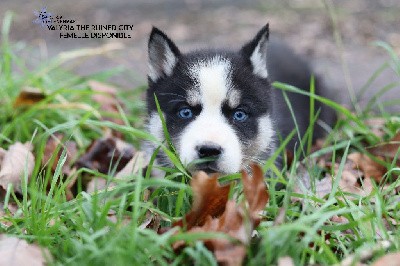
<point x="78" y="232"/>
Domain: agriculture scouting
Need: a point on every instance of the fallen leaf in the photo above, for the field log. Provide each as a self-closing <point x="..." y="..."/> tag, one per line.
<point x="16" y="160"/>
<point x="14" y="251"/>
<point x="323" y="187"/>
<point x="230" y="256"/>
<point x="2" y="153"/>
<point x="96" y="184"/>
<point x="349" y="182"/>
<point x="369" y="167"/>
<point x="280" y="218"/>
<point x="376" y="125"/>
<point x="72" y="180"/>
<point x="209" y="199"/>
<point x="52" y="144"/>
<point x="137" y="163"/>
<point x="232" y="223"/>
<point x="255" y="192"/>
<point x="132" y="167"/>
<point x="113" y="217"/>
<point x="106" y="153"/>
<point x="392" y="259"/>
<point x="6" y="212"/>
<point x="388" y="150"/>
<point x="339" y="219"/>
<point x="285" y="261"/>
<point x="384" y="152"/>
<point x="365" y="254"/>
<point x="302" y="184"/>
<point x="152" y="221"/>
<point x="106" y="96"/>
<point x="237" y="221"/>
<point x="29" y="96"/>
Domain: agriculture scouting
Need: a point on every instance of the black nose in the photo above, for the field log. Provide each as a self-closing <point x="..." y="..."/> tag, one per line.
<point x="209" y="150"/>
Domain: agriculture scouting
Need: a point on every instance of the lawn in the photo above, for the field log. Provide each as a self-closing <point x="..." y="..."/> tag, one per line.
<point x="75" y="189"/>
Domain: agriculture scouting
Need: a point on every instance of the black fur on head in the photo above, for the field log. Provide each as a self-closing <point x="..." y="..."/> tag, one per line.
<point x="241" y="77"/>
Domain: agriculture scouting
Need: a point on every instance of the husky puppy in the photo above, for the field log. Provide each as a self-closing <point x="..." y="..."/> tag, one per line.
<point x="219" y="104"/>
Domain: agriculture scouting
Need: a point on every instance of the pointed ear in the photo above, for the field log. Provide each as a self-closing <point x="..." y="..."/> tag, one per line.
<point x="256" y="52"/>
<point x="163" y="55"/>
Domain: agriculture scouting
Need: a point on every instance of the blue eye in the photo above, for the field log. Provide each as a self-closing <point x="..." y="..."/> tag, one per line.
<point x="185" y="113"/>
<point x="240" y="116"/>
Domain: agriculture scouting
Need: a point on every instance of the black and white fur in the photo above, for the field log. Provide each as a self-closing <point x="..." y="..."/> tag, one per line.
<point x="220" y="104"/>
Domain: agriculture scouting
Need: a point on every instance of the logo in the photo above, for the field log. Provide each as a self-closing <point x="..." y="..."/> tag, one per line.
<point x="71" y="29"/>
<point x="43" y="17"/>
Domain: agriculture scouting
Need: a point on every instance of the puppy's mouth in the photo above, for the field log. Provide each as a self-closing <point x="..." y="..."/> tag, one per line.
<point x="208" y="167"/>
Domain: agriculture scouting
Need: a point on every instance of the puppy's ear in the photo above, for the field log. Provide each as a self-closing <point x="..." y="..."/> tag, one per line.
<point x="256" y="52"/>
<point x="163" y="55"/>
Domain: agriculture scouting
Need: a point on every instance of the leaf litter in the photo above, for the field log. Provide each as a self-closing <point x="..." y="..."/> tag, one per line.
<point x="212" y="210"/>
<point x="17" y="162"/>
<point x="15" y="251"/>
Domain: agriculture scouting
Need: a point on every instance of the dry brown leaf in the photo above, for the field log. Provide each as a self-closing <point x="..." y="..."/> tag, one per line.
<point x="209" y="199"/>
<point x="137" y="163"/>
<point x="281" y="217"/>
<point x="2" y="153"/>
<point x="96" y="184"/>
<point x="232" y="223"/>
<point x="152" y="221"/>
<point x="52" y="143"/>
<point x="7" y="212"/>
<point x="112" y="217"/>
<point x="236" y="221"/>
<point x="385" y="152"/>
<point x="376" y="125"/>
<point x="14" y="251"/>
<point x="29" y="96"/>
<point x="106" y="152"/>
<point x="302" y="184"/>
<point x="231" y="256"/>
<point x="132" y="167"/>
<point x="255" y="191"/>
<point x="106" y="96"/>
<point x="388" y="150"/>
<point x="16" y="160"/>
<point x="369" y="167"/>
<point x="366" y="254"/>
<point x="349" y="182"/>
<point x="285" y="261"/>
<point x="339" y="219"/>
<point x="392" y="259"/>
<point x="323" y="187"/>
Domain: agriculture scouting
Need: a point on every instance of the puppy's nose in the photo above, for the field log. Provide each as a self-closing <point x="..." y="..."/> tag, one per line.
<point x="208" y="150"/>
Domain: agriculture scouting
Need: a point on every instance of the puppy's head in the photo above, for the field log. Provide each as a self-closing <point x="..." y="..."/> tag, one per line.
<point x="216" y="104"/>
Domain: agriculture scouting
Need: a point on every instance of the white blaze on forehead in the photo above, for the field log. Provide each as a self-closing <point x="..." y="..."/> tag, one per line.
<point x="213" y="81"/>
<point x="213" y="87"/>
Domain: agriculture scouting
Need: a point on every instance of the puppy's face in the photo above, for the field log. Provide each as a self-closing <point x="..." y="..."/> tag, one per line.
<point x="216" y="104"/>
